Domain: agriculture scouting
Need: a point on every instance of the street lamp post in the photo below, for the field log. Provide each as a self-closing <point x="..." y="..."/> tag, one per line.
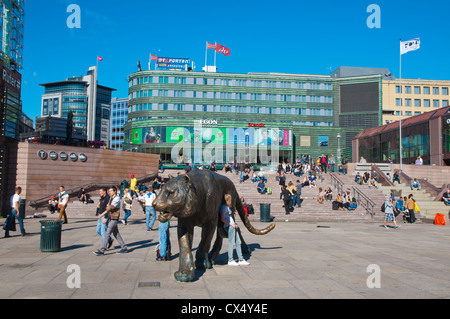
<point x="339" y="146"/>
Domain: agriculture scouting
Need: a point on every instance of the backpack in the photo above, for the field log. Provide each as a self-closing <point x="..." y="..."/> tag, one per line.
<point x="269" y="190"/>
<point x="383" y="207"/>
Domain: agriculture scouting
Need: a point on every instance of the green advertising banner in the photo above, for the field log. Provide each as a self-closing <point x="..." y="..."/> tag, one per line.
<point x="174" y="134"/>
<point x="136" y="136"/>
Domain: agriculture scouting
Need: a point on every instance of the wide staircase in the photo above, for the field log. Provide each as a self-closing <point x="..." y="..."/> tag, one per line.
<point x="425" y="201"/>
<point x="375" y="195"/>
<point x="310" y="211"/>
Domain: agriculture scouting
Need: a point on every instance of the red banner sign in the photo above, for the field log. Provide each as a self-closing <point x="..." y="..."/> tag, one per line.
<point x="222" y="49"/>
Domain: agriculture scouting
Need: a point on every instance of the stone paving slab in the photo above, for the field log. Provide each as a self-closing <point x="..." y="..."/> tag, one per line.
<point x="297" y="260"/>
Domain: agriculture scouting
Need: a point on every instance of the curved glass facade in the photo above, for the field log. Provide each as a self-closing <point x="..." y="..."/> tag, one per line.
<point x="232" y="112"/>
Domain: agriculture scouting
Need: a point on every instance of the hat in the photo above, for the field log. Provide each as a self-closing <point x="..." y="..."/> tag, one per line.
<point x="52" y="197"/>
<point x="132" y="175"/>
<point x="392" y="197"/>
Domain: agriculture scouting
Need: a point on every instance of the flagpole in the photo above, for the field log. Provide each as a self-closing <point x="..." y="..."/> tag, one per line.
<point x="401" y="103"/>
<point x="215" y="56"/>
<point x="206" y="55"/>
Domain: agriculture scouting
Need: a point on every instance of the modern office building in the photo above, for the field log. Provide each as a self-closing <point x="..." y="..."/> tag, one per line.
<point x="411" y="97"/>
<point x="198" y="117"/>
<point x="426" y="135"/>
<point x="119" y="116"/>
<point x="403" y="97"/>
<point x="89" y="102"/>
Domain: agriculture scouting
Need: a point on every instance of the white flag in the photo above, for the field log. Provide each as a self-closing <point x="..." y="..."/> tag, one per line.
<point x="410" y="45"/>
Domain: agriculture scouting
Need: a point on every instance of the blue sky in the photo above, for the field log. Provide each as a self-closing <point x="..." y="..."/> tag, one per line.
<point x="294" y="36"/>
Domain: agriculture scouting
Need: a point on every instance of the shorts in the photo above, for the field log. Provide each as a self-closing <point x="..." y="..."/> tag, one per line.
<point x="389" y="216"/>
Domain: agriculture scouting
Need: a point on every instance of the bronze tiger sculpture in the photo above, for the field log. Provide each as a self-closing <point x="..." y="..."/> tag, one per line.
<point x="195" y="199"/>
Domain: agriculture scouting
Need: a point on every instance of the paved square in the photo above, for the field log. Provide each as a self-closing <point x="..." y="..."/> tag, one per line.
<point x="295" y="261"/>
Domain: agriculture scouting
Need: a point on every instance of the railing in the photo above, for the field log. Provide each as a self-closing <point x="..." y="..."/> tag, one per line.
<point x="337" y="183"/>
<point x="424" y="184"/>
<point x="88" y="188"/>
<point x="363" y="200"/>
<point x="383" y="179"/>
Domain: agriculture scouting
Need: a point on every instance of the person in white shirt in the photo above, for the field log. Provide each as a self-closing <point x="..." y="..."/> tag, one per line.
<point x="112" y="214"/>
<point x="232" y="228"/>
<point x="149" y="210"/>
<point x="15" y="200"/>
<point x="63" y="199"/>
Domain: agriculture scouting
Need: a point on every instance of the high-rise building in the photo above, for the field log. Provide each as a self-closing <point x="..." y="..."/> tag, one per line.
<point x="12" y="21"/>
<point x="11" y="61"/>
<point x="89" y="102"/>
<point x="119" y="116"/>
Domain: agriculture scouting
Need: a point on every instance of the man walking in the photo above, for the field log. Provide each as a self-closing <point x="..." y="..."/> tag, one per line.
<point x="15" y="200"/>
<point x="389" y="212"/>
<point x="241" y="168"/>
<point x="410" y="205"/>
<point x="63" y="199"/>
<point x="112" y="213"/>
<point x="102" y="205"/>
<point x="149" y="210"/>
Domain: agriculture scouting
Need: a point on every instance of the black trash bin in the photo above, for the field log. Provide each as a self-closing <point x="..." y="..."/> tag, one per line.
<point x="265" y="213"/>
<point x="51" y="235"/>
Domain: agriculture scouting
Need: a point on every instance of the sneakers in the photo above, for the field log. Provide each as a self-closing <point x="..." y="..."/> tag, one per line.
<point x="122" y="251"/>
<point x="243" y="263"/>
<point x="110" y="243"/>
<point x="99" y="253"/>
<point x="240" y="263"/>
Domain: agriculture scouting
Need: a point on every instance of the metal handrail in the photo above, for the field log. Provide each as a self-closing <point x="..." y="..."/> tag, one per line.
<point x="88" y="188"/>
<point x="364" y="200"/>
<point x="337" y="183"/>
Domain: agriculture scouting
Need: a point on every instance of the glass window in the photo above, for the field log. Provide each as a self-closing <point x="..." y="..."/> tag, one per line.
<point x="407" y="89"/>
<point x="417" y="90"/>
<point x="426" y="103"/>
<point x="435" y="90"/>
<point x="426" y="90"/>
<point x="323" y="140"/>
<point x="398" y="89"/>
<point x="436" y="103"/>
<point x="444" y="91"/>
<point x="417" y="102"/>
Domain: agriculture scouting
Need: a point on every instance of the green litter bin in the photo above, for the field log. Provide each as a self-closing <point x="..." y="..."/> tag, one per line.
<point x="51" y="235"/>
<point x="265" y="213"/>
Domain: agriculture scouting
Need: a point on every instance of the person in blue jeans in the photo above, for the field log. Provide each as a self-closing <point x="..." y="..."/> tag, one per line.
<point x="164" y="241"/>
<point x="232" y="229"/>
<point x="127" y="205"/>
<point x="149" y="210"/>
<point x="415" y="184"/>
<point x="15" y="200"/>
<point x="103" y="203"/>
<point x="298" y="194"/>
